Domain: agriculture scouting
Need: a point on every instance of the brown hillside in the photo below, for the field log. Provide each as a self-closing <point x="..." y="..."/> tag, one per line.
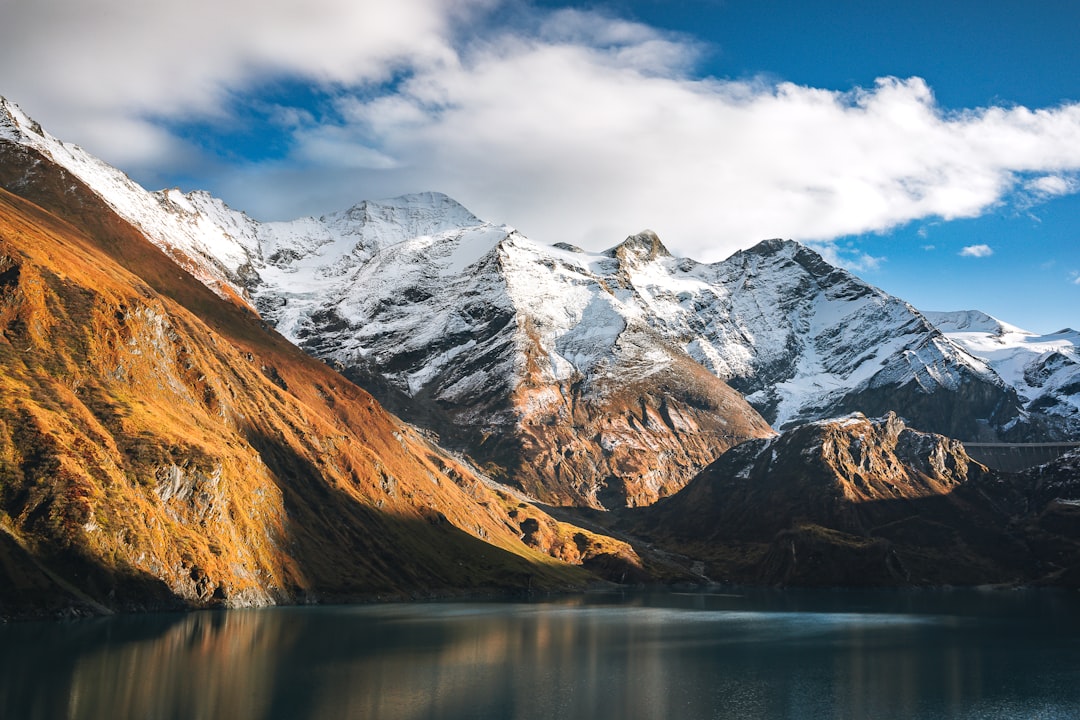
<point x="159" y="446"/>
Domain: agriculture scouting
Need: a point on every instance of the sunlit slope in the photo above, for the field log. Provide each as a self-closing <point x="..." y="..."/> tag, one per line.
<point x="158" y="445"/>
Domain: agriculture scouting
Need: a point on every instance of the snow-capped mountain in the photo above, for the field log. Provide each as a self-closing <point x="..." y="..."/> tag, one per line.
<point x="575" y="400"/>
<point x="597" y="378"/>
<point x="1044" y="369"/>
<point x="198" y="231"/>
<point x="539" y="360"/>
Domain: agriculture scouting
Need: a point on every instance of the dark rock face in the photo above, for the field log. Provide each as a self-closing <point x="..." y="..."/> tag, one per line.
<point x="972" y="409"/>
<point x="864" y="502"/>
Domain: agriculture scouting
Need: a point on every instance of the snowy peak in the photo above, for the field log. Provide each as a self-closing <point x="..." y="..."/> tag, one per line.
<point x="804" y="339"/>
<point x="972" y="321"/>
<point x="14" y="123"/>
<point x="1044" y="369"/>
<point x="643" y="247"/>
<point x="397" y="219"/>
<point x="201" y="234"/>
<point x="779" y="254"/>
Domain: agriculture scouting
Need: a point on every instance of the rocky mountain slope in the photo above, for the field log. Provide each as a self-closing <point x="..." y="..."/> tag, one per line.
<point x="161" y="447"/>
<point x="856" y="501"/>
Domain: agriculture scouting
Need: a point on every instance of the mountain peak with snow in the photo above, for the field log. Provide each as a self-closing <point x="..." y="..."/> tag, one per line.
<point x="645" y="246"/>
<point x="972" y="321"/>
<point x="14" y="123"/>
<point x="411" y="215"/>
<point x="1044" y="369"/>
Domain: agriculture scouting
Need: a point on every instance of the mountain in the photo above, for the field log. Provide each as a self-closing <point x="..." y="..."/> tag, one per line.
<point x="1053" y="518"/>
<point x="858" y="501"/>
<point x="824" y="343"/>
<point x="519" y="353"/>
<point x="184" y="422"/>
<point x="1044" y="369"/>
<point x="161" y="447"/>
<point x="537" y="360"/>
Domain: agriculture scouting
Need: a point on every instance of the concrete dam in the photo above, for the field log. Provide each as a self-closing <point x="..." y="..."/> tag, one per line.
<point x="1015" y="457"/>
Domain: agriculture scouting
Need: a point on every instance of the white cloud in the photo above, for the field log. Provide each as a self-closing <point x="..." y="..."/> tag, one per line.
<point x="571" y="125"/>
<point x="78" y="62"/>
<point x="977" y="251"/>
<point x="1074" y="276"/>
<point x="848" y="257"/>
<point x="1045" y="187"/>
<point x="1053" y="185"/>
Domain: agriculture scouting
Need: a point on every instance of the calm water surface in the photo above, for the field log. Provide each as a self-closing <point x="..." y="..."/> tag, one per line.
<point x="758" y="654"/>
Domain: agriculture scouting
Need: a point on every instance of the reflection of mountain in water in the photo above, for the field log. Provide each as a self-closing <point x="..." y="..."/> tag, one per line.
<point x="770" y="655"/>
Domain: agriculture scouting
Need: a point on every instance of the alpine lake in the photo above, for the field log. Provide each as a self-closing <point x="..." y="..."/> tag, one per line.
<point x="738" y="653"/>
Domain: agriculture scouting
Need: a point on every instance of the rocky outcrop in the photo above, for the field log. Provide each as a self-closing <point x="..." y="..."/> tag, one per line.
<point x="856" y="501"/>
<point x="623" y="443"/>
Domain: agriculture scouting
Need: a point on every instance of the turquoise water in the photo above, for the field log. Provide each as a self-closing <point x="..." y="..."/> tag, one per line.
<point x="752" y="654"/>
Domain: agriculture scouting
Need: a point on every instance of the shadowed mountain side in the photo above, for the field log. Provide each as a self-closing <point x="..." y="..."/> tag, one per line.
<point x="862" y="502"/>
<point x="158" y="445"/>
<point x="34" y="586"/>
<point x="345" y="549"/>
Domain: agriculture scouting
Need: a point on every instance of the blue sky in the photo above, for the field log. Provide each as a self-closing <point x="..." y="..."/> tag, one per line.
<point x="931" y="147"/>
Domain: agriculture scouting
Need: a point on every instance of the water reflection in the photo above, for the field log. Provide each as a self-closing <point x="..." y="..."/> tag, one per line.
<point x="768" y="655"/>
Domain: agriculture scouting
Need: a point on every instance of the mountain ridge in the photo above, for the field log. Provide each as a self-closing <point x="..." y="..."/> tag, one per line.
<point x="859" y="501"/>
<point x="788" y="375"/>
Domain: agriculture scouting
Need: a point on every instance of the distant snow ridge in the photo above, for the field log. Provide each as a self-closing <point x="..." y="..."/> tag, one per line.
<point x="443" y="304"/>
<point x="1044" y="369"/>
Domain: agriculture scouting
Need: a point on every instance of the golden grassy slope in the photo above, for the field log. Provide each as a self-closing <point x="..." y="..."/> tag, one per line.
<point x="158" y="444"/>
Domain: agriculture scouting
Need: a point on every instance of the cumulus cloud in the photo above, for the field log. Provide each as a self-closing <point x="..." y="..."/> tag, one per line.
<point x="1053" y="185"/>
<point x="848" y="256"/>
<point x="571" y="125"/>
<point x="977" y="251"/>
